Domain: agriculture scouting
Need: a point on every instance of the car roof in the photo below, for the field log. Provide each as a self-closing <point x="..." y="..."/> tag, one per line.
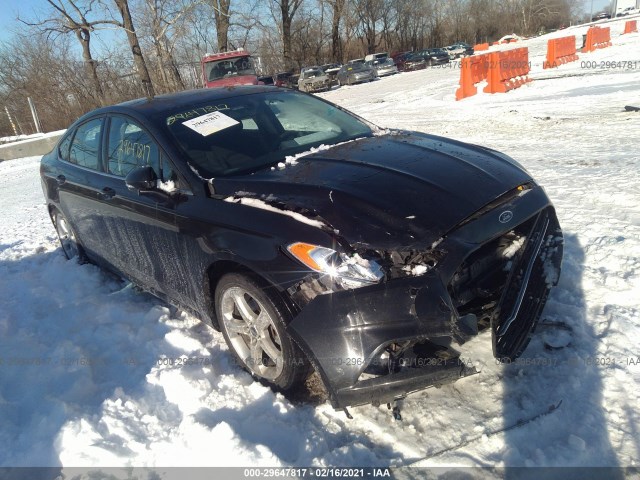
<point x="168" y="103"/>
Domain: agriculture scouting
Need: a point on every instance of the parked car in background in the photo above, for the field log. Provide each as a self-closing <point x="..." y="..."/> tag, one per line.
<point x="285" y="79"/>
<point x="368" y="260"/>
<point x="356" y="60"/>
<point x="628" y="11"/>
<point x="376" y="56"/>
<point x="265" y="80"/>
<point x="458" y="50"/>
<point x="468" y="49"/>
<point x="434" y="56"/>
<point x="353" y="73"/>
<point x="454" y="51"/>
<point x="313" y="79"/>
<point x="331" y="69"/>
<point x="601" y="16"/>
<point x="410" y="61"/>
<point x="383" y="66"/>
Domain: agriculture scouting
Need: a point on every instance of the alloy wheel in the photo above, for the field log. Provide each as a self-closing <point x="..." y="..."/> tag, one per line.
<point x="252" y="333"/>
<point x="67" y="237"/>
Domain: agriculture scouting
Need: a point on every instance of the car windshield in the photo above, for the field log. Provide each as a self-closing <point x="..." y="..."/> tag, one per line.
<point x="382" y="62"/>
<point x="247" y="133"/>
<point x="229" y="67"/>
<point x="316" y="72"/>
<point x="356" y="67"/>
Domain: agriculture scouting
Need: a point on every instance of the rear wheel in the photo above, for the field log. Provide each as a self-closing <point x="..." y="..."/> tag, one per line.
<point x="68" y="240"/>
<point x="253" y="322"/>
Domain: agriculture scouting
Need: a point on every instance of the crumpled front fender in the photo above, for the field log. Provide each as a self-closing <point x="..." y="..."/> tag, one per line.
<point x="342" y="332"/>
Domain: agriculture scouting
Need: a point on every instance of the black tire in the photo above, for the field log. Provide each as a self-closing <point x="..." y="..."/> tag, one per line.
<point x="243" y="336"/>
<point x="69" y="242"/>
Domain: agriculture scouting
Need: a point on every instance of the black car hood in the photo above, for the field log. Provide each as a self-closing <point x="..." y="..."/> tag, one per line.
<point x="399" y="189"/>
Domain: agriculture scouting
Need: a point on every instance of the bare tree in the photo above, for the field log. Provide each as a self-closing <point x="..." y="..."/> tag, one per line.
<point x="288" y="9"/>
<point x="71" y="16"/>
<point x="537" y="14"/>
<point x="138" y="57"/>
<point x="160" y="17"/>
<point x="195" y="33"/>
<point x="369" y="13"/>
<point x="222" y="17"/>
<point x="61" y="95"/>
<point x="310" y="35"/>
<point x="336" y="42"/>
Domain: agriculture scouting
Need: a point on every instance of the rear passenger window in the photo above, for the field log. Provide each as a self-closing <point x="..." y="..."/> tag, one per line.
<point x="85" y="147"/>
<point x="63" y="149"/>
<point x="130" y="147"/>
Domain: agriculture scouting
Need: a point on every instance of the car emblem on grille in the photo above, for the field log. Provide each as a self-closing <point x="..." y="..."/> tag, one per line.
<point x="505" y="216"/>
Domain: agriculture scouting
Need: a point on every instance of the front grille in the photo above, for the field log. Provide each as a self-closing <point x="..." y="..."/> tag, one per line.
<point x="478" y="284"/>
<point x="502" y="284"/>
<point x="527" y="288"/>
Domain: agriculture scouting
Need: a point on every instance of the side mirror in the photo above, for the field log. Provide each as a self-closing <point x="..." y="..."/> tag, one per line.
<point x="141" y="179"/>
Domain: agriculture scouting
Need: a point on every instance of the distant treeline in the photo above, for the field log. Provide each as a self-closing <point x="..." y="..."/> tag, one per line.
<point x="76" y="55"/>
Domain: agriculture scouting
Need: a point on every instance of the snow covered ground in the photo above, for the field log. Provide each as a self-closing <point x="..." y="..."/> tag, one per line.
<point x="84" y="378"/>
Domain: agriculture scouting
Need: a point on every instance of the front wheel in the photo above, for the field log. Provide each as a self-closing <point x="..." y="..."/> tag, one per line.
<point x="253" y="322"/>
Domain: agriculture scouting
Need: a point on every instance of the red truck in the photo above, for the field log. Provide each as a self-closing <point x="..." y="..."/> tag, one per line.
<point x="228" y="68"/>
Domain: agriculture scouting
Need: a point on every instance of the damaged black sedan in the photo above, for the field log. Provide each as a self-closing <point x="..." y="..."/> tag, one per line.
<point x="311" y="238"/>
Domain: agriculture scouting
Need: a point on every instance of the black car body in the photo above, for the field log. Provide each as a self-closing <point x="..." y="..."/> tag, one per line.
<point x="377" y="253"/>
<point x="265" y="80"/>
<point x="286" y="79"/>
<point x="434" y="56"/>
<point x="601" y="16"/>
<point x="409" y="62"/>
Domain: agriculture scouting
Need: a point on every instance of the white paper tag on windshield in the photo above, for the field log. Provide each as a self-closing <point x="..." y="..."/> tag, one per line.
<point x="210" y="123"/>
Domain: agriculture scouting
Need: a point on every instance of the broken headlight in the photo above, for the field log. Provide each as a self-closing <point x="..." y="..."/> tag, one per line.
<point x="349" y="271"/>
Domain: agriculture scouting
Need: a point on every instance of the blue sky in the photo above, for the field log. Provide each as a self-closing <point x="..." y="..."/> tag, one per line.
<point x="13" y="8"/>
<point x="28" y="9"/>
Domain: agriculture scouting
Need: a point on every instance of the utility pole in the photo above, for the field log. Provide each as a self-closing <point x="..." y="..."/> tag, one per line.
<point x="34" y="114"/>
<point x="13" y="125"/>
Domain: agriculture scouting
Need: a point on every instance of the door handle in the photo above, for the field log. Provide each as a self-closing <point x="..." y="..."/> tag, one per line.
<point x="107" y="193"/>
<point x="61" y="179"/>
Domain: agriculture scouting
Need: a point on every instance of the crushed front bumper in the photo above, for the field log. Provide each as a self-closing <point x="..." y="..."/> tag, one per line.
<point x="313" y="87"/>
<point x="343" y="332"/>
